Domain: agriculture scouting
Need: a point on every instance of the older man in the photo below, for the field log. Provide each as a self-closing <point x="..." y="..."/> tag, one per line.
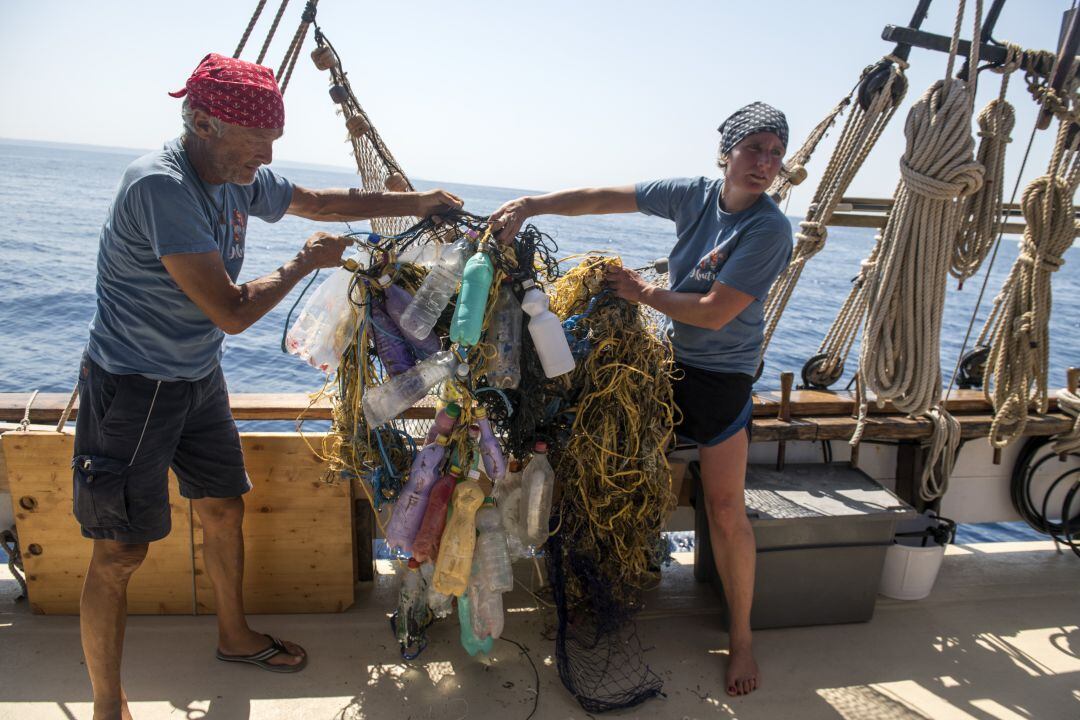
<point x="153" y="394"/>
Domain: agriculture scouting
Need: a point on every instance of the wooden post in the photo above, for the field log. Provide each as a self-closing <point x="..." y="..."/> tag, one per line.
<point x="786" y="381"/>
<point x="910" y="457"/>
<point x="364" y="522"/>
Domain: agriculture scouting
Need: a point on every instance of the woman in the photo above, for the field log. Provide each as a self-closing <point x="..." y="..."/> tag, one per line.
<point x="733" y="241"/>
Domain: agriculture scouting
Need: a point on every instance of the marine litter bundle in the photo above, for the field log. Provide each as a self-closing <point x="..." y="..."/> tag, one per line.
<point x="547" y="442"/>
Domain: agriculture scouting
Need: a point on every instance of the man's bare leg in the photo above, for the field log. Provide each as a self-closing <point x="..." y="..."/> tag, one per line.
<point x="723" y="476"/>
<point x="102" y="620"/>
<point x="223" y="552"/>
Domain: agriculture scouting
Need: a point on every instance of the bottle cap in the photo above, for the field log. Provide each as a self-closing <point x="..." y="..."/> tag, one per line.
<point x="474" y="474"/>
<point x="441" y="439"/>
<point x="455" y="470"/>
<point x="480" y="412"/>
<point x="453" y="410"/>
<point x="474" y="430"/>
<point x="385" y="281"/>
<point x="540" y="446"/>
<point x="462" y="370"/>
<point x="527" y="283"/>
<point x="414" y="564"/>
<point x="489" y="500"/>
<point x="514" y="466"/>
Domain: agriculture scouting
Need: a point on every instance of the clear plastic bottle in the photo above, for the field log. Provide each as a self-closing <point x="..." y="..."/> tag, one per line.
<point x="412" y="606"/>
<point x="485" y="609"/>
<point x="397" y="302"/>
<point x="326" y="324"/>
<point x="395" y="396"/>
<point x="435" y="292"/>
<point x="413" y="500"/>
<point x="472" y="300"/>
<point x="425" y="546"/>
<point x="492" y="561"/>
<point x="547" y="333"/>
<point x="458" y="544"/>
<point x="441" y="605"/>
<point x="537" y="484"/>
<point x="490" y="450"/>
<point x="445" y="420"/>
<point x="505" y="332"/>
<point x="508" y="499"/>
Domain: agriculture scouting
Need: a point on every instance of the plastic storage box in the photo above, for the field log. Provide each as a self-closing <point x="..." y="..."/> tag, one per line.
<point x="821" y="532"/>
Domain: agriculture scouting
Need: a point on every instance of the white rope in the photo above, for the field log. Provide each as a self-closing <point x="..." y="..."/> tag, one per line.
<point x="1018" y="328"/>
<point x="899" y="359"/>
<point x="861" y="132"/>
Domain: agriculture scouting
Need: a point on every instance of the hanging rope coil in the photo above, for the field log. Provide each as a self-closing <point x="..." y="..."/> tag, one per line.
<point x="1017" y="329"/>
<point x="981" y="216"/>
<point x="861" y="132"/>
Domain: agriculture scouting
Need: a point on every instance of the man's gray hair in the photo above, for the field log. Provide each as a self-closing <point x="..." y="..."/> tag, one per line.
<point x="187" y="114"/>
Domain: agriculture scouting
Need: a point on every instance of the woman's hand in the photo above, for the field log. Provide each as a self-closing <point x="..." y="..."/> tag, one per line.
<point x="508" y="219"/>
<point x="626" y="284"/>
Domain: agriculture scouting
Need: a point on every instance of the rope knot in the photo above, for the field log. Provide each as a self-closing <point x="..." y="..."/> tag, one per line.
<point x="812" y="233"/>
<point x="898" y="62"/>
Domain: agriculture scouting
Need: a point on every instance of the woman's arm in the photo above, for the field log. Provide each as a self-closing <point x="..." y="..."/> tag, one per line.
<point x="582" y="201"/>
<point x="355" y="204"/>
<point x="711" y="310"/>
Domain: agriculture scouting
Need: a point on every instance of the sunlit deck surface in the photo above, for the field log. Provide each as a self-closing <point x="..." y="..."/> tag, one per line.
<point x="998" y="639"/>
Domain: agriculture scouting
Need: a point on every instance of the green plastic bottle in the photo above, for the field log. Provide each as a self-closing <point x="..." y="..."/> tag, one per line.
<point x="472" y="300"/>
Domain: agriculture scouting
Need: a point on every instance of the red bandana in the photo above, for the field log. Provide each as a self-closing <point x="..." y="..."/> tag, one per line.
<point x="236" y="92"/>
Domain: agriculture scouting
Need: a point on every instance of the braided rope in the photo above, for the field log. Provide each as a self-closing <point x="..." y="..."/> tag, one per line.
<point x="1018" y="333"/>
<point x="899" y="359"/>
<point x="861" y="132"/>
<point x="272" y="31"/>
<point x="981" y="216"/>
<point x="289" y="61"/>
<point x="251" y="26"/>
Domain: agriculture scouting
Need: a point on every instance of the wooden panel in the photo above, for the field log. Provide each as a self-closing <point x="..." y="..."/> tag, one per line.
<point x="298" y="532"/>
<point x="891" y="427"/>
<point x="39" y="470"/>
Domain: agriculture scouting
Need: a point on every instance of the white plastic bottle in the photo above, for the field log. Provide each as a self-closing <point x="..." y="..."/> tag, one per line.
<point x="387" y="401"/>
<point x="492" y="561"/>
<point x="547" y="333"/>
<point x="537" y="484"/>
<point x="506" y="333"/>
<point x="435" y="292"/>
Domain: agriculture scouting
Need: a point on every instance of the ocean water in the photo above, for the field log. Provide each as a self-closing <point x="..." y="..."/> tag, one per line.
<point x="54" y="199"/>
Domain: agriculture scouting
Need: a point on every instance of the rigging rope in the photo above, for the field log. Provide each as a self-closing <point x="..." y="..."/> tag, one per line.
<point x="272" y="31"/>
<point x="861" y="132"/>
<point x="900" y="355"/>
<point x="251" y="26"/>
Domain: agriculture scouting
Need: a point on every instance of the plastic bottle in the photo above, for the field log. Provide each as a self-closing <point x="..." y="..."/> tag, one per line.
<point x="397" y="301"/>
<point x="387" y="401"/>
<point x="435" y="292"/>
<point x="394" y="353"/>
<point x="508" y="500"/>
<point x="547" y="333"/>
<point x="440" y="604"/>
<point x="469" y="641"/>
<point x="537" y="483"/>
<point x="326" y="324"/>
<point x="492" y="561"/>
<point x="459" y="538"/>
<point x="425" y="546"/>
<point x="505" y="334"/>
<point x="490" y="450"/>
<point x="412" y="606"/>
<point x="485" y="609"/>
<point x="412" y="502"/>
<point x="445" y="420"/>
<point x="472" y="300"/>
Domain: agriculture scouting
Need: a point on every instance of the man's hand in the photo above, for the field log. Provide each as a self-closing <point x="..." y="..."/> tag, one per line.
<point x="625" y="283"/>
<point x="434" y="202"/>
<point x="509" y="218"/>
<point x="323" y="250"/>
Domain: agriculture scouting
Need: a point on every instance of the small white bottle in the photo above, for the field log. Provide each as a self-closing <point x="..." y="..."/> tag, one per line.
<point x="547" y="333"/>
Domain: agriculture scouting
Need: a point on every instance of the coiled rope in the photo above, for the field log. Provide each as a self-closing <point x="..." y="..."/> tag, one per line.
<point x="900" y="355"/>
<point x="861" y="132"/>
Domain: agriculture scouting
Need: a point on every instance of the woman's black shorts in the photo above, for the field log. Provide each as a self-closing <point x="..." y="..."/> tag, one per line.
<point x="714" y="405"/>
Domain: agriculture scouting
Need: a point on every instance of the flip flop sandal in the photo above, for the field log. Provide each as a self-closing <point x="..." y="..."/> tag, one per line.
<point x="262" y="658"/>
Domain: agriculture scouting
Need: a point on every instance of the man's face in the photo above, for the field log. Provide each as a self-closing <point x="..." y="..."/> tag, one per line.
<point x="241" y="151"/>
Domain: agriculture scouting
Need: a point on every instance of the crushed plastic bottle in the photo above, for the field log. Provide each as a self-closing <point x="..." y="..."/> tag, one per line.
<point x="505" y="335"/>
<point x="413" y="499"/>
<point x="397" y="302"/>
<point x="387" y="401"/>
<point x="441" y="605"/>
<point x="490" y="450"/>
<point x="492" y="561"/>
<point x="508" y="499"/>
<point x="537" y="483"/>
<point x="485" y="609"/>
<point x="326" y="324"/>
<point x="445" y="420"/>
<point x="472" y="301"/>
<point x="458" y="544"/>
<point x="435" y="291"/>
<point x="425" y="546"/>
<point x="469" y="641"/>
<point x="394" y="353"/>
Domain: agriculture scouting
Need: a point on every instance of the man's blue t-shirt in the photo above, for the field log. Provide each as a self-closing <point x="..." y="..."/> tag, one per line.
<point x="145" y="324"/>
<point x="746" y="250"/>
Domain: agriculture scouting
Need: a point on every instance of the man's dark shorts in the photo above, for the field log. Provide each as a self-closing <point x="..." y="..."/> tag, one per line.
<point x="130" y="430"/>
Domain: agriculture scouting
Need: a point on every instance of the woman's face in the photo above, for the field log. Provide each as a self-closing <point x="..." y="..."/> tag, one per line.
<point x="754" y="163"/>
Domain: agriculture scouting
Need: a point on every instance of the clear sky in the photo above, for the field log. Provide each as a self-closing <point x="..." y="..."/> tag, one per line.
<point x="533" y="95"/>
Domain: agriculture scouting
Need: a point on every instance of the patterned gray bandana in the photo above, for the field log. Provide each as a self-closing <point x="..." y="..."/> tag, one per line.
<point x="754" y="118"/>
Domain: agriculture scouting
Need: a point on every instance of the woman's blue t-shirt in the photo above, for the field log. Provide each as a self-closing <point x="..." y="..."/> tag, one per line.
<point x="746" y="250"/>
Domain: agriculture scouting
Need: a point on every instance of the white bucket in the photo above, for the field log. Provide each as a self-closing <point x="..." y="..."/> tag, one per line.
<point x="910" y="570"/>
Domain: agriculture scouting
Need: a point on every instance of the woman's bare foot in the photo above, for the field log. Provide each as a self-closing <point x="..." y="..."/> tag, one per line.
<point x="742" y="676"/>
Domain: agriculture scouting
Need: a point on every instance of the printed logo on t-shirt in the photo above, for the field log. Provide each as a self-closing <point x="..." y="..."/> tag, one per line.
<point x="239" y="228"/>
<point x="706" y="267"/>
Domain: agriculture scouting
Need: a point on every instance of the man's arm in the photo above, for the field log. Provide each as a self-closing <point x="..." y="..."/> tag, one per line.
<point x="234" y="308"/>
<point x="350" y="204"/>
<point x="711" y="310"/>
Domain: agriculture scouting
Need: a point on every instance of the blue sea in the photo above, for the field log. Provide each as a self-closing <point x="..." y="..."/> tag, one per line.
<point x="53" y="200"/>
